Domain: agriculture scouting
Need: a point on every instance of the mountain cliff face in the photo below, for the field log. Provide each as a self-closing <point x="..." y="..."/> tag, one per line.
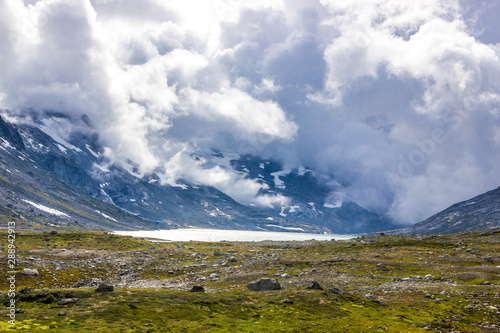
<point x="67" y="181"/>
<point x="479" y="213"/>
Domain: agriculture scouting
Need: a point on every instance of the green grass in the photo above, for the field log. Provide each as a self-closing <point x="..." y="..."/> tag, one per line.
<point x="369" y="272"/>
<point x="136" y="310"/>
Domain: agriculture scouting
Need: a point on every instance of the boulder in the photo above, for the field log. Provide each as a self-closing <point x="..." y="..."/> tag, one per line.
<point x="28" y="271"/>
<point x="335" y="291"/>
<point x="66" y="301"/>
<point x="314" y="285"/>
<point x="105" y="288"/>
<point x="25" y="290"/>
<point x="199" y="289"/>
<point x="264" y="284"/>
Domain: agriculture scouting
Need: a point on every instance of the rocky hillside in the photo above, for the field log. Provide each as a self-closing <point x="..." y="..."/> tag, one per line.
<point x="36" y="197"/>
<point x="479" y="213"/>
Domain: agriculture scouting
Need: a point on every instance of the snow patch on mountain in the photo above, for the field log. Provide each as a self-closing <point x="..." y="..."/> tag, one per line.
<point x="284" y="228"/>
<point x="96" y="155"/>
<point x="277" y="181"/>
<point x="106" y="216"/>
<point x="48" y="128"/>
<point x="61" y="148"/>
<point x="337" y="204"/>
<point x="100" y="167"/>
<point x="282" y="213"/>
<point x="46" y="209"/>
<point x="6" y="143"/>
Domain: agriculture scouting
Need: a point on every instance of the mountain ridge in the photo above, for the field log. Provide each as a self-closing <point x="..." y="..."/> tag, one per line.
<point x="36" y="150"/>
<point x="481" y="212"/>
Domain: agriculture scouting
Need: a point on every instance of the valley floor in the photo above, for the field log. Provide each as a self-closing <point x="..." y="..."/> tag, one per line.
<point x="448" y="283"/>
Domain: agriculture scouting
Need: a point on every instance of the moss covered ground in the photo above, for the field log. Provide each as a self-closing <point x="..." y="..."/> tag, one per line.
<point x="447" y="283"/>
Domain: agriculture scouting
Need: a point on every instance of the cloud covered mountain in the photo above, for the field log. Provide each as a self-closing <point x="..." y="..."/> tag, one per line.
<point x="43" y="176"/>
<point x="398" y="101"/>
<point x="35" y="190"/>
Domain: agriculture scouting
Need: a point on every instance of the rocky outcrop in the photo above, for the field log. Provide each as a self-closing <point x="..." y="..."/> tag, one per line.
<point x="105" y="288"/>
<point x="264" y="284"/>
<point x="314" y="285"/>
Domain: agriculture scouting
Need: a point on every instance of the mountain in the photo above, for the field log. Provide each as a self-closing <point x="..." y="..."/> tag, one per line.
<point x="34" y="195"/>
<point x="479" y="213"/>
<point x="67" y="181"/>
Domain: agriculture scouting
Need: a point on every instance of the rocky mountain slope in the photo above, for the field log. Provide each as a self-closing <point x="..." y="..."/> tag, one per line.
<point x="32" y="193"/>
<point x="68" y="181"/>
<point x="479" y="213"/>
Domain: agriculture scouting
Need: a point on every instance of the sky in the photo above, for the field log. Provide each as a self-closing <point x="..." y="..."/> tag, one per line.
<point x="398" y="100"/>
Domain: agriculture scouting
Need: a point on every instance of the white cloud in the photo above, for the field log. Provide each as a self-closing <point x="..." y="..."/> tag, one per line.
<point x="248" y="115"/>
<point x="439" y="184"/>
<point x="351" y="87"/>
<point x="246" y="191"/>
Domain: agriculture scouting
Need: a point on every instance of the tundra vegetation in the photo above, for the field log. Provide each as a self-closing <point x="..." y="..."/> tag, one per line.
<point x="447" y="283"/>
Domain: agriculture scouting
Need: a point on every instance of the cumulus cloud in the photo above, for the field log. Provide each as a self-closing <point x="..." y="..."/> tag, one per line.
<point x="246" y="191"/>
<point x="239" y="109"/>
<point x="398" y="100"/>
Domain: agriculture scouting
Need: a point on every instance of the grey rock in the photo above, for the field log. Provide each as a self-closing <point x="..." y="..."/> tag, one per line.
<point x="199" y="289"/>
<point x="314" y="285"/>
<point x="61" y="313"/>
<point x="105" y="288"/>
<point x="489" y="259"/>
<point x="264" y="284"/>
<point x="335" y="291"/>
<point x="66" y="301"/>
<point x="408" y="279"/>
<point x="29" y="271"/>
